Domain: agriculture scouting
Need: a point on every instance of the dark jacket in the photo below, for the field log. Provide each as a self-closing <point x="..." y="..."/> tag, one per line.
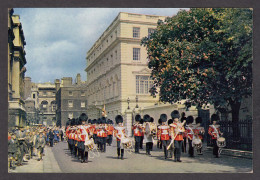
<point x="51" y="135"/>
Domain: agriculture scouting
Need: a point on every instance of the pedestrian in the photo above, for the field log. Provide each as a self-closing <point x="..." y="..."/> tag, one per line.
<point x="214" y="132"/>
<point x="40" y="144"/>
<point x="138" y="129"/>
<point x="12" y="150"/>
<point x="61" y="134"/>
<point x="51" y="137"/>
<point x="21" y="145"/>
<point x="148" y="138"/>
<point x="163" y="134"/>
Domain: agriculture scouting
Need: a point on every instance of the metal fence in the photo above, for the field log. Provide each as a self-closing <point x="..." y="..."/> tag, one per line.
<point x="238" y="135"/>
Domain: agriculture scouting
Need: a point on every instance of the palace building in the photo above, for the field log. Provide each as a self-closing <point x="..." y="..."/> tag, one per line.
<point x="117" y="66"/>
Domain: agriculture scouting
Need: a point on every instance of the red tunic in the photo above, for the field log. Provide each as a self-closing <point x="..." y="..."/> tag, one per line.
<point x="163" y="132"/>
<point x="189" y="132"/>
<point x="138" y="130"/>
<point x="118" y="132"/>
<point x="212" y="132"/>
<point x="197" y="131"/>
<point x="110" y="130"/>
<point x="179" y="136"/>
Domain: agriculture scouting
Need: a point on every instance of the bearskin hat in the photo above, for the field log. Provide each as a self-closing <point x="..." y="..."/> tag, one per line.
<point x="151" y="119"/>
<point x="190" y="120"/>
<point x="198" y="120"/>
<point x="138" y="118"/>
<point x="141" y="121"/>
<point x="170" y="121"/>
<point x="163" y="117"/>
<point x="175" y="114"/>
<point x="146" y="118"/>
<point x="214" y="117"/>
<point x="90" y="121"/>
<point x="94" y="121"/>
<point x="119" y="119"/>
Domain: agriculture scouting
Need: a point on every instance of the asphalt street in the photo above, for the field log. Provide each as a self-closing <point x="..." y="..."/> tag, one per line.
<point x="142" y="163"/>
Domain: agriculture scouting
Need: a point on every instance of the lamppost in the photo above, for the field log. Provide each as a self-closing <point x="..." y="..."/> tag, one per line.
<point x="136" y="102"/>
<point x="128" y="101"/>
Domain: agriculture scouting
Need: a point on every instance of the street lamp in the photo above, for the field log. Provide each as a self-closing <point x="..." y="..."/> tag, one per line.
<point x="128" y="101"/>
<point x="136" y="102"/>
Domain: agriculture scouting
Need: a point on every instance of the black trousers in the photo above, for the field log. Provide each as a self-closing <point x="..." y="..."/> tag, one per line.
<point x="141" y="142"/>
<point x="51" y="142"/>
<point x="109" y="139"/>
<point x="177" y="149"/>
<point x="159" y="144"/>
<point x="81" y="149"/>
<point x="137" y="143"/>
<point x="149" y="146"/>
<point x="95" y="138"/>
<point x="118" y="150"/>
<point x="165" y="143"/>
<point x="184" y="145"/>
<point x="102" y="143"/>
<point x="215" y="148"/>
<point x="191" y="149"/>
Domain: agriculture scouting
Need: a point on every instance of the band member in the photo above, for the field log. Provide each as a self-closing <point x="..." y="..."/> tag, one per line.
<point x="138" y="129"/>
<point x="163" y="134"/>
<point x="103" y="135"/>
<point x="94" y="130"/>
<point x="142" y="132"/>
<point x="189" y="134"/>
<point x="159" y="143"/>
<point x="183" y="117"/>
<point x="110" y="130"/>
<point x="177" y="131"/>
<point x="171" y="149"/>
<point x="214" y="132"/>
<point x="84" y="131"/>
<point x="148" y="138"/>
<point x="199" y="131"/>
<point x="119" y="133"/>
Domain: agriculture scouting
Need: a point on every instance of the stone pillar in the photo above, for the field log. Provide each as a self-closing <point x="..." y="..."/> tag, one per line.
<point x="16" y="78"/>
<point x="128" y="122"/>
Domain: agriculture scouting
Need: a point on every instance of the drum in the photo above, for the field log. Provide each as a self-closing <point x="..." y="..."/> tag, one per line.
<point x="196" y="143"/>
<point x="127" y="143"/>
<point x="221" y="142"/>
<point x="89" y="144"/>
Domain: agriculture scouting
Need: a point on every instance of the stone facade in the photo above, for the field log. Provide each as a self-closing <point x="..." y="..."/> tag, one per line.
<point x="115" y="61"/>
<point x="16" y="70"/>
<point x="71" y="99"/>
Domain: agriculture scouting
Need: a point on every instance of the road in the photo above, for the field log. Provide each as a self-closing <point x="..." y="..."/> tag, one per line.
<point x="59" y="159"/>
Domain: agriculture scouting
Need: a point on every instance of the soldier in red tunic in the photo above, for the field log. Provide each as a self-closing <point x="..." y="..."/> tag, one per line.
<point x="163" y="134"/>
<point x="199" y="132"/>
<point x="138" y="130"/>
<point x="214" y="132"/>
<point x="189" y="133"/>
<point x="110" y="130"/>
<point x="177" y="131"/>
<point x="119" y="133"/>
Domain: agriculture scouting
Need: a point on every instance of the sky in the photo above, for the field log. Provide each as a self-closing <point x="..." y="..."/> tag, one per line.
<point x="57" y="39"/>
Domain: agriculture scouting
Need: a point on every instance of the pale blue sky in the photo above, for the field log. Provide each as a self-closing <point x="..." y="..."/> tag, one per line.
<point x="57" y="39"/>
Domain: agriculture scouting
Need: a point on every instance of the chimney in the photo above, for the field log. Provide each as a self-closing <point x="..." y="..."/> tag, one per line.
<point x="57" y="84"/>
<point x="66" y="81"/>
<point x="78" y="79"/>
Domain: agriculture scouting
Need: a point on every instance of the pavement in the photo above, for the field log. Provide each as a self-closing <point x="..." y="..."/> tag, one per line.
<point x="58" y="159"/>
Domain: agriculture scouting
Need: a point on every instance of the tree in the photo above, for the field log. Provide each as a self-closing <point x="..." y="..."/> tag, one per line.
<point x="204" y="55"/>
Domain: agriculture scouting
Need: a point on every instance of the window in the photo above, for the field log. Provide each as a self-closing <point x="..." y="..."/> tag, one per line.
<point x="44" y="93"/>
<point x="136" y="54"/>
<point x="70" y="93"/>
<point x="82" y="93"/>
<point x="143" y="84"/>
<point x="136" y="32"/>
<point x="33" y="96"/>
<point x="150" y="31"/>
<point x="70" y="115"/>
<point x="82" y="104"/>
<point x="70" y="103"/>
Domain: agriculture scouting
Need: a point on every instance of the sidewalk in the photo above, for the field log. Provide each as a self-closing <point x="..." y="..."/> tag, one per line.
<point x="47" y="165"/>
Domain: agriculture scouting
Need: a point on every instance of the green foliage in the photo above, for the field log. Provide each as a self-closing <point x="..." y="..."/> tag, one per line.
<point x="204" y="55"/>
